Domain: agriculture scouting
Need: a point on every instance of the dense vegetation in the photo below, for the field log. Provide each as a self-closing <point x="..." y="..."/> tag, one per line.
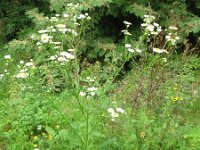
<point x="99" y="74"/>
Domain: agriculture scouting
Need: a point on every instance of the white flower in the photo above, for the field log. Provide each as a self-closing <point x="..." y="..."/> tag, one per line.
<point x="127" y="45"/>
<point x="53" y="30"/>
<point x="92" y="93"/>
<point x="56" y="43"/>
<point x="71" y="50"/>
<point x="7" y="57"/>
<point x="78" y="24"/>
<point x="131" y="50"/>
<point x="63" y="30"/>
<point x="91" y="89"/>
<point x="53" y="58"/>
<point x="173" y="28"/>
<point x="60" y="25"/>
<point x="62" y="59"/>
<point x="156" y="24"/>
<point x="150" y="27"/>
<point x="67" y="55"/>
<point x="28" y="64"/>
<point x="146" y="16"/>
<point x="88" y="17"/>
<point x="114" y="115"/>
<point x="138" y="50"/>
<point x="21" y="62"/>
<point x="168" y="37"/>
<point x="54" y="19"/>
<point x="164" y="59"/>
<point x="126" y="32"/>
<point x="177" y="38"/>
<point x="81" y="16"/>
<point x="1" y="76"/>
<point x="120" y="110"/>
<point x="110" y="110"/>
<point x="159" y="29"/>
<point x="143" y="24"/>
<point x="157" y="50"/>
<point x="82" y="94"/>
<point x="70" y="4"/>
<point x="44" y="38"/>
<point x="22" y="75"/>
<point x="39" y="127"/>
<point x="65" y="15"/>
<point x="154" y="33"/>
<point x="57" y="15"/>
<point x="127" y="23"/>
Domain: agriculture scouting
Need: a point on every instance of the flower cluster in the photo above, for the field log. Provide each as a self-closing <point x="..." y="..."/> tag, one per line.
<point x="172" y="36"/>
<point x="89" y="91"/>
<point x="63" y="56"/>
<point x="128" y="24"/>
<point x="150" y="26"/>
<point x="158" y="50"/>
<point x="24" y="68"/>
<point x="114" y="113"/>
<point x="130" y="49"/>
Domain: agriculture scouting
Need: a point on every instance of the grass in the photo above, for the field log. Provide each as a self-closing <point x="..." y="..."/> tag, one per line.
<point x="152" y="120"/>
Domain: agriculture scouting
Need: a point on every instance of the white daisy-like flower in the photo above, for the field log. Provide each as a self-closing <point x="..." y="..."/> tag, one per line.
<point x="177" y="38"/>
<point x="127" y="23"/>
<point x="65" y="15"/>
<point x="71" y="50"/>
<point x="21" y="62"/>
<point x="7" y="57"/>
<point x="156" y="24"/>
<point x="22" y="75"/>
<point x="56" y="43"/>
<point x="146" y="16"/>
<point x="128" y="45"/>
<point x="111" y="110"/>
<point x="1" y="76"/>
<point x="54" y="19"/>
<point x="150" y="28"/>
<point x="120" y="110"/>
<point x="126" y="32"/>
<point x="114" y="115"/>
<point x="62" y="59"/>
<point x="154" y="33"/>
<point x="157" y="50"/>
<point x="138" y="50"/>
<point x="131" y="50"/>
<point x="60" y="25"/>
<point x="92" y="93"/>
<point x="81" y="16"/>
<point x="53" y="57"/>
<point x="143" y="24"/>
<point x="164" y="59"/>
<point x="168" y="37"/>
<point x="91" y="89"/>
<point x="173" y="28"/>
<point x="82" y="94"/>
<point x="29" y="64"/>
<point x="44" y="38"/>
